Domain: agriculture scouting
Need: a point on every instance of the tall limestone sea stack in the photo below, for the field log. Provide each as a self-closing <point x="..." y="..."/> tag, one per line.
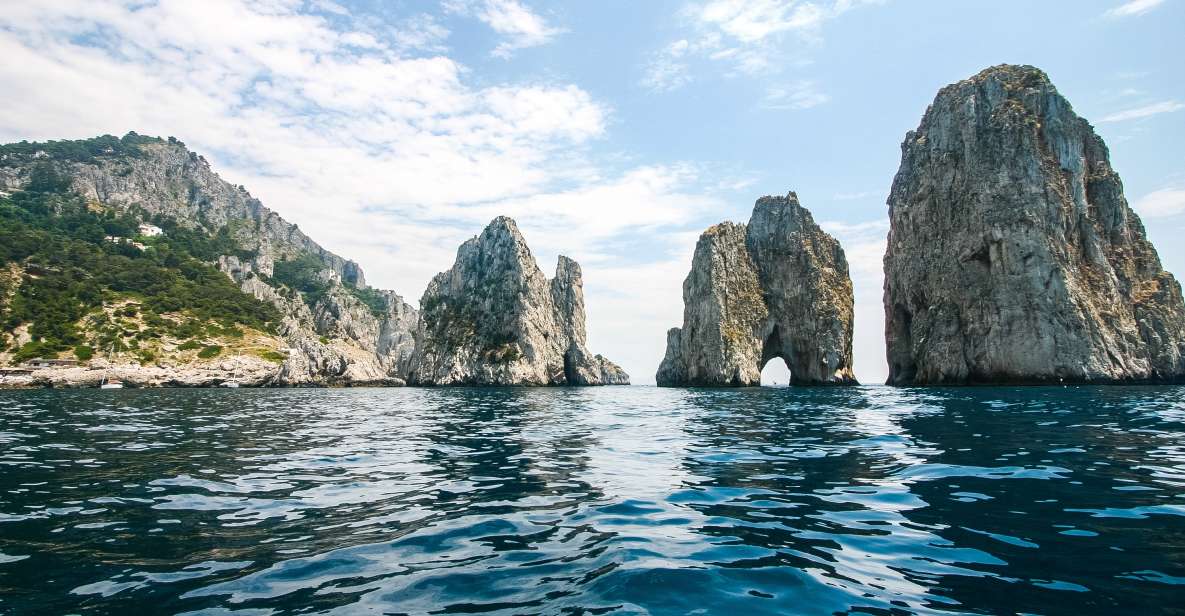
<point x="1012" y="253"/>
<point x="778" y="287"/>
<point x="495" y="319"/>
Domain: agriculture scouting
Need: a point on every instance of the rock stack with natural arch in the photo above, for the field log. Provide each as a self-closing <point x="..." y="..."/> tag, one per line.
<point x="778" y="287"/>
<point x="1013" y="255"/>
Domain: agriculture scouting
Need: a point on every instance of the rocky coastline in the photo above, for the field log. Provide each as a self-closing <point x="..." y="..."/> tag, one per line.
<point x="1012" y="258"/>
<point x="333" y="329"/>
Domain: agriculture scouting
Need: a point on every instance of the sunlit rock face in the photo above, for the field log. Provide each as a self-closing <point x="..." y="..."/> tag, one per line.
<point x="777" y="287"/>
<point x="495" y="319"/>
<point x="1012" y="253"/>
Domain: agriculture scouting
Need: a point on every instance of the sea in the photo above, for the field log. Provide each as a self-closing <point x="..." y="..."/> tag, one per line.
<point x="613" y="500"/>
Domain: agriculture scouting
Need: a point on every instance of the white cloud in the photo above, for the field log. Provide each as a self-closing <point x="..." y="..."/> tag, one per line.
<point x="1133" y="8"/>
<point x="668" y="69"/>
<point x="330" y="7"/>
<point x="751" y="21"/>
<point x="519" y="26"/>
<point x="418" y="32"/>
<point x="797" y="96"/>
<point x="1143" y="112"/>
<point x="744" y="35"/>
<point x="1163" y="202"/>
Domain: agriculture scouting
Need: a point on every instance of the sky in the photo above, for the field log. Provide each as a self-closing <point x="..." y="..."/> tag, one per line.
<point x="614" y="132"/>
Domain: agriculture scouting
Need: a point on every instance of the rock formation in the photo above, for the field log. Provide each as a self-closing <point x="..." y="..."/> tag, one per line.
<point x="332" y="337"/>
<point x="495" y="319"/>
<point x="1012" y="253"/>
<point x="778" y="287"/>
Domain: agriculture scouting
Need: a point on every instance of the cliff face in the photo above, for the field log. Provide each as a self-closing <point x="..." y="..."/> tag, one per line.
<point x="1013" y="255"/>
<point x="334" y="329"/>
<point x="338" y="340"/>
<point x="778" y="287"/>
<point x="495" y="319"/>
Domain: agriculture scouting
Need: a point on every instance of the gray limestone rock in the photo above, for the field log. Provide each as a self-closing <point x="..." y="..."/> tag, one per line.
<point x="777" y="287"/>
<point x="495" y="319"/>
<point x="1013" y="255"/>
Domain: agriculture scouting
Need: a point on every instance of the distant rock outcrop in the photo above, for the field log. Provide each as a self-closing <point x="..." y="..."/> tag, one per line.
<point x="495" y="319"/>
<point x="1012" y="253"/>
<point x="778" y="287"/>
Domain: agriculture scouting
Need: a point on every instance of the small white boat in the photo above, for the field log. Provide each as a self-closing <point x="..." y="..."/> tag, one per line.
<point x="231" y="384"/>
<point x="111" y="384"/>
<point x="107" y="383"/>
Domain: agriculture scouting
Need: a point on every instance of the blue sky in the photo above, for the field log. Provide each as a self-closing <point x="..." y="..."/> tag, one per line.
<point x="614" y="132"/>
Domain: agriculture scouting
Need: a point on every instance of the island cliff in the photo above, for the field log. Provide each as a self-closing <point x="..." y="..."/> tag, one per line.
<point x="495" y="319"/>
<point x="318" y="322"/>
<point x="1012" y="254"/>
<point x="778" y="287"/>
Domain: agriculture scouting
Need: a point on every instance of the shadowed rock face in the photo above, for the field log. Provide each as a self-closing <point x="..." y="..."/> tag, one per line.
<point x="777" y="287"/>
<point x="1013" y="255"/>
<point x="495" y="319"/>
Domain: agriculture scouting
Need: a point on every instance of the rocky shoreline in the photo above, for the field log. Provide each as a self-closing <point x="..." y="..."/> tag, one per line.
<point x="242" y="370"/>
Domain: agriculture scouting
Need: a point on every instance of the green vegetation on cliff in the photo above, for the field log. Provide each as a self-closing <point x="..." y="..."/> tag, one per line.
<point x="76" y="150"/>
<point x="65" y="259"/>
<point x="306" y="274"/>
<point x="302" y="274"/>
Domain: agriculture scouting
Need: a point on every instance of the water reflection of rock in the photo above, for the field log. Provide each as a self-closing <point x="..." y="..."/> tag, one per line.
<point x="797" y="487"/>
<point x="263" y="477"/>
<point x="502" y="472"/>
<point x="826" y="489"/>
<point x="1062" y="503"/>
<point x="496" y="446"/>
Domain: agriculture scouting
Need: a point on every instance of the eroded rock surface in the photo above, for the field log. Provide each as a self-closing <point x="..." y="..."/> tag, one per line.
<point x="495" y="319"/>
<point x="1013" y="255"/>
<point x="777" y="287"/>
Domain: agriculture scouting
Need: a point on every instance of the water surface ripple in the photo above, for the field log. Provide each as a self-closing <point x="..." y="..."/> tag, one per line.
<point x="623" y="500"/>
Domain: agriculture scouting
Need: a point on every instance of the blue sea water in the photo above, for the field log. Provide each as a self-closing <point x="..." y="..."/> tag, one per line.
<point x="620" y="500"/>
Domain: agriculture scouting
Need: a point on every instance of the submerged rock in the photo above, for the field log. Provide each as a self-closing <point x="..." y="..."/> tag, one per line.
<point x="495" y="319"/>
<point x="778" y="287"/>
<point x="1013" y="255"/>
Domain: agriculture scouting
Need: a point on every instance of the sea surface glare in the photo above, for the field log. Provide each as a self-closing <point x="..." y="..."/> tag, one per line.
<point x="618" y="500"/>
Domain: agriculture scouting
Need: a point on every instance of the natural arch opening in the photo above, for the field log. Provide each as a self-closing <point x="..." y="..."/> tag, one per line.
<point x="569" y="369"/>
<point x="775" y="373"/>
